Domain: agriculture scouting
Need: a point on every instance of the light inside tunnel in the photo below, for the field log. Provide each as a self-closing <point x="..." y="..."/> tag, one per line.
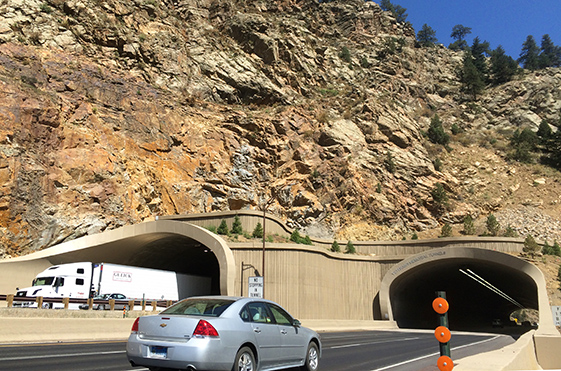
<point x="473" y="305"/>
<point x="490" y="286"/>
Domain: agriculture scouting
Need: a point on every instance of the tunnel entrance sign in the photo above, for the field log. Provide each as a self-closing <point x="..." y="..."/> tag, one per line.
<point x="556" y="310"/>
<point x="255" y="287"/>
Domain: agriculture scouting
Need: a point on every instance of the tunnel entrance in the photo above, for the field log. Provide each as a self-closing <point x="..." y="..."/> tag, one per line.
<point x="180" y="254"/>
<point x="483" y="293"/>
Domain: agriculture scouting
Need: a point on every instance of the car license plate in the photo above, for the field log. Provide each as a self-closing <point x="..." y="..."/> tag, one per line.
<point x="158" y="352"/>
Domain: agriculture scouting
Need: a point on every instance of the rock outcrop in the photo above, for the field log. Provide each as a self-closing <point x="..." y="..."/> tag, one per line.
<point x="114" y="112"/>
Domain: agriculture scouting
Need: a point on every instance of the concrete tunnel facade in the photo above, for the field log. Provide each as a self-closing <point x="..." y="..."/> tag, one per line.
<point x="483" y="285"/>
<point x="406" y="287"/>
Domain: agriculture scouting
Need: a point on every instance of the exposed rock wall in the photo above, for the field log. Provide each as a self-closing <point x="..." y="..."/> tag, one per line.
<point x="114" y="112"/>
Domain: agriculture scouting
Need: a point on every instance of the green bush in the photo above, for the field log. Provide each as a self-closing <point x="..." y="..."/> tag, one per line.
<point x="295" y="236"/>
<point x="345" y="54"/>
<point x="212" y="228"/>
<point x="415" y="236"/>
<point x="530" y="245"/>
<point x="446" y="230"/>
<point x="509" y="232"/>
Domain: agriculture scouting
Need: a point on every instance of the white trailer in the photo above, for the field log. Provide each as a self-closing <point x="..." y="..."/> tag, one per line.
<point x="86" y="280"/>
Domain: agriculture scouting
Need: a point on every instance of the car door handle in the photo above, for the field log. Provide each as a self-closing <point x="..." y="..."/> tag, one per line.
<point x="284" y="332"/>
<point x="257" y="330"/>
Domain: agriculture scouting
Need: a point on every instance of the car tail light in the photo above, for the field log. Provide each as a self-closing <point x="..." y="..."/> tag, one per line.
<point x="134" y="328"/>
<point x="205" y="329"/>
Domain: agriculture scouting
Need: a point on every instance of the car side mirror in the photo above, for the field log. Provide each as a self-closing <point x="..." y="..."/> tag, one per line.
<point x="296" y="323"/>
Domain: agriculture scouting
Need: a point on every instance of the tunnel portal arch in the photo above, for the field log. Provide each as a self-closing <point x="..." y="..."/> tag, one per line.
<point x="160" y="244"/>
<point x="468" y="276"/>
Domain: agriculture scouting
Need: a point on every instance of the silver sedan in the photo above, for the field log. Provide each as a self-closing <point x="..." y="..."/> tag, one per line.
<point x="223" y="333"/>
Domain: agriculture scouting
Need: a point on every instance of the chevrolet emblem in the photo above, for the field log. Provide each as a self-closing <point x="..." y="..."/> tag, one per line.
<point x="162" y="325"/>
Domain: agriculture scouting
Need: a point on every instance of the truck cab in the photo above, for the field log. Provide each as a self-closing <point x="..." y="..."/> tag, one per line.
<point x="71" y="280"/>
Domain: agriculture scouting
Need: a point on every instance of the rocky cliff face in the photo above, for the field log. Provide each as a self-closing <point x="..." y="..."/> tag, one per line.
<point x="114" y="112"/>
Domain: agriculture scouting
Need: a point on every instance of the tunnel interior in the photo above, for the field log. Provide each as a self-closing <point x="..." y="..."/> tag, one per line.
<point x="474" y="306"/>
<point x="172" y="252"/>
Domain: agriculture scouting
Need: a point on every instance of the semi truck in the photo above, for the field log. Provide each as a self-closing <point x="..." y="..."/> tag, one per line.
<point x="88" y="280"/>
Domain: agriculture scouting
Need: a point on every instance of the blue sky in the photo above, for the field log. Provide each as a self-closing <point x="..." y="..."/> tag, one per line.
<point x="501" y="22"/>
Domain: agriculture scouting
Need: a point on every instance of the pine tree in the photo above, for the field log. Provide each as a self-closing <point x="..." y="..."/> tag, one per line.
<point x="469" y="227"/>
<point x="492" y="225"/>
<point x="556" y="249"/>
<point x="546" y="249"/>
<point x="335" y="247"/>
<point x="222" y="228"/>
<point x="426" y="37"/>
<point x="544" y="132"/>
<point x="237" y="226"/>
<point x="470" y="77"/>
<point x="529" y="56"/>
<point x="350" y="249"/>
<point x="397" y="11"/>
<point x="552" y="149"/>
<point x="258" y="231"/>
<point x="459" y="32"/>
<point x="436" y="133"/>
<point x="503" y="67"/>
<point x="439" y="196"/>
<point x="550" y="55"/>
<point x="479" y="50"/>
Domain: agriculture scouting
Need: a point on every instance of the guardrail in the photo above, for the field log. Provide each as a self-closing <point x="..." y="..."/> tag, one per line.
<point x="107" y="304"/>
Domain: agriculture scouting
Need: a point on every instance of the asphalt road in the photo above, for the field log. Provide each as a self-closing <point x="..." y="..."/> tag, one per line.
<point x="356" y="351"/>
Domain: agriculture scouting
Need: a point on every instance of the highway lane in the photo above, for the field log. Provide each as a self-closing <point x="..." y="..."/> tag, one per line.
<point x="357" y="351"/>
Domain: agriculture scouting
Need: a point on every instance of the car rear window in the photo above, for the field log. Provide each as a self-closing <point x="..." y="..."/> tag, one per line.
<point x="199" y="307"/>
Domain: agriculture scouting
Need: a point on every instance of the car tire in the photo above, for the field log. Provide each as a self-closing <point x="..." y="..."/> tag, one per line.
<point x="312" y="358"/>
<point x="245" y="360"/>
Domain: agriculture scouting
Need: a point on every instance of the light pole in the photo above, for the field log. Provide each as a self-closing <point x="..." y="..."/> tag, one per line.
<point x="265" y="206"/>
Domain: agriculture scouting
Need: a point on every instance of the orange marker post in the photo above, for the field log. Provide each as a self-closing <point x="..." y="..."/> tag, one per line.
<point x="442" y="333"/>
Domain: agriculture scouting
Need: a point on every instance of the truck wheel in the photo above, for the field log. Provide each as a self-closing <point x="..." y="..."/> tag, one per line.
<point x="47" y="306"/>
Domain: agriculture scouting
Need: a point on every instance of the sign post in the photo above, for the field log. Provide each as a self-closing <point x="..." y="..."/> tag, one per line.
<point x="255" y="287"/>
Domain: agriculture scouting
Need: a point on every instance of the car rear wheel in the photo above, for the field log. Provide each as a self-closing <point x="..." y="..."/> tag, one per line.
<point x="245" y="360"/>
<point x="312" y="358"/>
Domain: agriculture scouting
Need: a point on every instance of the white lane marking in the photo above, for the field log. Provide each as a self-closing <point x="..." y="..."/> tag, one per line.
<point x="61" y="355"/>
<point x="370" y="343"/>
<point x="434" y="354"/>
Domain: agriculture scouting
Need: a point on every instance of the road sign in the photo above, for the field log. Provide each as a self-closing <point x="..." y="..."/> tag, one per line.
<point x="556" y="310"/>
<point x="255" y="287"/>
